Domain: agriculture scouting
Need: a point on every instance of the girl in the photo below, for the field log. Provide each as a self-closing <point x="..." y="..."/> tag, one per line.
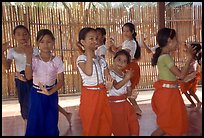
<point x="101" y="39"/>
<point x="131" y="45"/>
<point x="44" y="69"/>
<point x="22" y="37"/>
<point x="125" y="121"/>
<point x="94" y="109"/>
<point x="190" y="82"/>
<point x="167" y="102"/>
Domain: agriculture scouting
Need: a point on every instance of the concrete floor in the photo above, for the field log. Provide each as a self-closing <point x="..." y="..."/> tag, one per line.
<point x="12" y="123"/>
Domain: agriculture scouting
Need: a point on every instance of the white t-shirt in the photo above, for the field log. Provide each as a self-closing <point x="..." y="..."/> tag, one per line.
<point x="123" y="89"/>
<point x="99" y="65"/>
<point x="20" y="59"/>
<point x="101" y="50"/>
<point x="131" y="45"/>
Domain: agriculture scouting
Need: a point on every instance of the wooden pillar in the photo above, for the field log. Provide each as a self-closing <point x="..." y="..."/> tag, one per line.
<point x="161" y="14"/>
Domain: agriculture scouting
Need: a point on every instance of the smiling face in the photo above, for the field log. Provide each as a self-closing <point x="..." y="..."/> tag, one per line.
<point x="46" y="43"/>
<point x="22" y="36"/>
<point x="90" y="41"/>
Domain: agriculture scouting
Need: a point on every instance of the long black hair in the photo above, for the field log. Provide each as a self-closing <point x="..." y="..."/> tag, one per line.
<point x="162" y="38"/>
<point x="131" y="26"/>
<point x="198" y="54"/>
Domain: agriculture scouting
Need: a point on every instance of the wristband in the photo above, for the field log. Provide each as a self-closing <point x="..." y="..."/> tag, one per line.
<point x="28" y="64"/>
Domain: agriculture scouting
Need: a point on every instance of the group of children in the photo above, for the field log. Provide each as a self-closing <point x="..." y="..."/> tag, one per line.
<point x="108" y="94"/>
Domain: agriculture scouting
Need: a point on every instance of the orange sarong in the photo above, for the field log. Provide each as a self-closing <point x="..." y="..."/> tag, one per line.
<point x="125" y="122"/>
<point x="136" y="74"/>
<point x="95" y="111"/>
<point x="191" y="85"/>
<point x="170" y="109"/>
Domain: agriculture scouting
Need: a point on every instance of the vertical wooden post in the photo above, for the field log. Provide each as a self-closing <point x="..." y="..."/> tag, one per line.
<point x="161" y="14"/>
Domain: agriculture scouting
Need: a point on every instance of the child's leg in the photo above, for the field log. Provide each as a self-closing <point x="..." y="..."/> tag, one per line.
<point x="197" y="99"/>
<point x="65" y="113"/>
<point x="25" y="125"/>
<point x="190" y="99"/>
<point x="158" y="132"/>
<point x="135" y="105"/>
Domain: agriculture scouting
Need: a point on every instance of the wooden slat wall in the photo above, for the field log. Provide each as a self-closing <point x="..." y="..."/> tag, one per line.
<point x="66" y="23"/>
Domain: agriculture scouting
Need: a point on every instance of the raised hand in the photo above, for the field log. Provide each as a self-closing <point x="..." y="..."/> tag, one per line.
<point x="5" y="46"/>
<point x="109" y="82"/>
<point x="129" y="74"/>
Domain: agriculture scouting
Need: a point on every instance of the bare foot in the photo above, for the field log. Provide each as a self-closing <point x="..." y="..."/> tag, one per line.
<point x="197" y="108"/>
<point x="191" y="106"/>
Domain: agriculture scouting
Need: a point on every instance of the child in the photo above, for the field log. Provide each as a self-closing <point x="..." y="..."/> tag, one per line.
<point x="131" y="45"/>
<point x="22" y="36"/>
<point x="101" y="39"/>
<point x="167" y="103"/>
<point x="125" y="121"/>
<point x="189" y="83"/>
<point x="44" y="69"/>
<point x="94" y="109"/>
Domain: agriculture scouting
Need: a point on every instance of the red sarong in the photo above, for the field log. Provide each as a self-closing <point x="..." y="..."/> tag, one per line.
<point x="191" y="85"/>
<point x="170" y="109"/>
<point x="136" y="74"/>
<point x="95" y="111"/>
<point x="125" y="122"/>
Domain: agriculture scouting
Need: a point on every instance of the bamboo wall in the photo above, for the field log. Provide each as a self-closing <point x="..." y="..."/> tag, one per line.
<point x="66" y="23"/>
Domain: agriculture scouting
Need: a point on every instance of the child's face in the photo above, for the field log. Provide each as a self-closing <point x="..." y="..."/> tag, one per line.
<point x="173" y="44"/>
<point x="127" y="34"/>
<point x="100" y="37"/>
<point x="46" y="44"/>
<point x="22" y="37"/>
<point x="120" y="62"/>
<point x="90" y="41"/>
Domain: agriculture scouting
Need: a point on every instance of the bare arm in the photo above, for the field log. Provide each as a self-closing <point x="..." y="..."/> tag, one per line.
<point x="121" y="83"/>
<point x="87" y="66"/>
<point x="182" y="73"/>
<point x="28" y="69"/>
<point x="5" y="62"/>
<point x="59" y="84"/>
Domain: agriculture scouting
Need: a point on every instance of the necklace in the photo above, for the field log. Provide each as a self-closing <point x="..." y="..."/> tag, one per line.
<point x="45" y="61"/>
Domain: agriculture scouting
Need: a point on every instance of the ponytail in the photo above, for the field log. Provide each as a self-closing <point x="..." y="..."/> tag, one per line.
<point x="156" y="56"/>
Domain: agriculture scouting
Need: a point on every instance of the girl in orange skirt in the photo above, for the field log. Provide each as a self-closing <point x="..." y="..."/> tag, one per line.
<point x="125" y="121"/>
<point x="189" y="84"/>
<point x="131" y="45"/>
<point x="94" y="109"/>
<point x="167" y="102"/>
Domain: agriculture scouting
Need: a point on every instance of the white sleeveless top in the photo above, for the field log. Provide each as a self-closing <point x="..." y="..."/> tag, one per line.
<point x="131" y="45"/>
<point x="123" y="89"/>
<point x="101" y="50"/>
<point x="20" y="59"/>
<point x="97" y="77"/>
